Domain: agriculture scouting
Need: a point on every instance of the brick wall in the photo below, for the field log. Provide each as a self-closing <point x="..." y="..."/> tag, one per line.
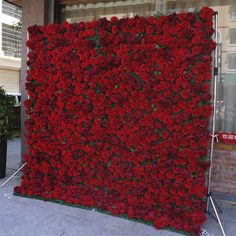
<point x="224" y="171"/>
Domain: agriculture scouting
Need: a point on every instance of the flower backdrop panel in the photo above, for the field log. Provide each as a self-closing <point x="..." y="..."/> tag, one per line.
<point x="118" y="116"/>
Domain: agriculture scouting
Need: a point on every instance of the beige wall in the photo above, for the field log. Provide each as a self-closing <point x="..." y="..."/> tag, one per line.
<point x="9" y="79"/>
<point x="10" y="74"/>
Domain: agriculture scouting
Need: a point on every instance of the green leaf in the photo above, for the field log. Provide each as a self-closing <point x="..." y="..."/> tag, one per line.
<point x="158" y="14"/>
<point x="109" y="163"/>
<point x="105" y="190"/>
<point x="59" y="91"/>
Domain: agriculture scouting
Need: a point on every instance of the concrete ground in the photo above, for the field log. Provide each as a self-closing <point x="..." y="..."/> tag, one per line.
<point x="28" y="217"/>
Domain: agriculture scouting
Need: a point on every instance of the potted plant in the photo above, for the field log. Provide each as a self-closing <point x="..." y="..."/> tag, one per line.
<point x="6" y="111"/>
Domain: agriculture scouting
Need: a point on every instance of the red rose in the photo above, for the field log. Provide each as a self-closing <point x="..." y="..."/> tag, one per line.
<point x="206" y="13"/>
<point x="161" y="222"/>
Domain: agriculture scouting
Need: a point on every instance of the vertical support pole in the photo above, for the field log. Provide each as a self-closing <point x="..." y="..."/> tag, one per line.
<point x="215" y="78"/>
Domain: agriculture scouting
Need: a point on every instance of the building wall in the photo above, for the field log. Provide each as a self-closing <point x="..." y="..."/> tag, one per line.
<point x="225" y="23"/>
<point x="224" y="170"/>
<point x="9" y="65"/>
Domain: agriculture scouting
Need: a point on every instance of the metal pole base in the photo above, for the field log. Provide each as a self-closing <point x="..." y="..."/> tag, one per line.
<point x="210" y="200"/>
<point x="3" y="184"/>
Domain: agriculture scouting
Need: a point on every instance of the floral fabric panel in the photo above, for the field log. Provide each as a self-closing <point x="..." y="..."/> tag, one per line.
<point x="118" y="116"/>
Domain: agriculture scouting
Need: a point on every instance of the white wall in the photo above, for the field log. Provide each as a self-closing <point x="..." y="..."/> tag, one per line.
<point x="9" y="66"/>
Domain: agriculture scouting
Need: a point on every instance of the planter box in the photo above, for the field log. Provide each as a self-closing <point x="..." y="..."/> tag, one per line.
<point x="3" y="158"/>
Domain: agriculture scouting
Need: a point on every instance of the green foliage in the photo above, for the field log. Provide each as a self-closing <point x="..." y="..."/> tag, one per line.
<point x="158" y="14"/>
<point x="17" y="26"/>
<point x="6" y="111"/>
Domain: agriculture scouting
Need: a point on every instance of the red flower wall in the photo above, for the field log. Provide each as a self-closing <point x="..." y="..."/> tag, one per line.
<point x="119" y="116"/>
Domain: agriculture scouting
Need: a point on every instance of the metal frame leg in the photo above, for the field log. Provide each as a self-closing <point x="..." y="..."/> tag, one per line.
<point x="3" y="184"/>
<point x="210" y="199"/>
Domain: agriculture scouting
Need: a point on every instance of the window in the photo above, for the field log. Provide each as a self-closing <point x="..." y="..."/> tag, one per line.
<point x="232" y="36"/>
<point x="232" y="61"/>
<point x="11" y="41"/>
<point x="233" y="12"/>
<point x="11" y="10"/>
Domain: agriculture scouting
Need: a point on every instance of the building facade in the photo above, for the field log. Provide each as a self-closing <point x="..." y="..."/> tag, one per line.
<point x="48" y="11"/>
<point x="10" y="46"/>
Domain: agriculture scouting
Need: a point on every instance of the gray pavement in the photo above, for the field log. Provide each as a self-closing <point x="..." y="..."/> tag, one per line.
<point x="29" y="217"/>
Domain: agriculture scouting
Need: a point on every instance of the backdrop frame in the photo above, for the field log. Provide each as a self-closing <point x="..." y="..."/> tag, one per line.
<point x="209" y="198"/>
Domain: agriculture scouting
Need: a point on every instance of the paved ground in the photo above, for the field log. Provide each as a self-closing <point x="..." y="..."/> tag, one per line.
<point x="27" y="217"/>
